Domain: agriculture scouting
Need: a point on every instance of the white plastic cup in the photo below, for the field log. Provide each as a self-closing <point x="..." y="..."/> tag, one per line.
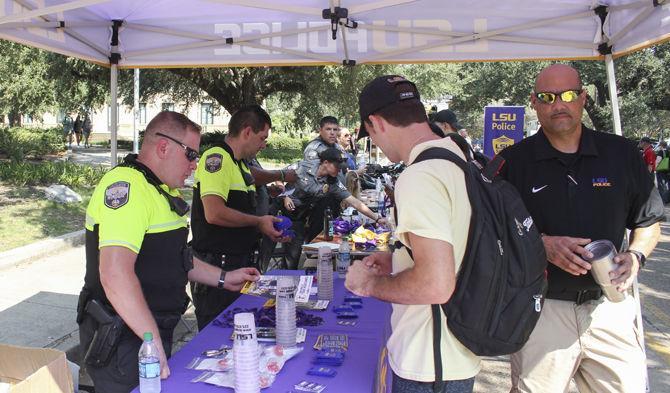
<point x="245" y="354"/>
<point x="324" y="271"/>
<point x="285" y="311"/>
<point x="602" y="264"/>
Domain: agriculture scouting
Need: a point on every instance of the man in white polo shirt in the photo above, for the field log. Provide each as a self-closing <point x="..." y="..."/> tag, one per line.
<point x="433" y="220"/>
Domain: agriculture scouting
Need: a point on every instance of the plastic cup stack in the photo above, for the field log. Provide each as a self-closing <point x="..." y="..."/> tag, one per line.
<point x="286" y="322"/>
<point x="324" y="272"/>
<point x="245" y="354"/>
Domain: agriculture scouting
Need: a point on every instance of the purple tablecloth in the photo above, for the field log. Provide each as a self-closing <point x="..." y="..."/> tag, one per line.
<point x="364" y="370"/>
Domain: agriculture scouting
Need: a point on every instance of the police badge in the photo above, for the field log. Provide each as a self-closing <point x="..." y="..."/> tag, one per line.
<point x="325" y="188"/>
<point x="213" y="162"/>
<point x="116" y="194"/>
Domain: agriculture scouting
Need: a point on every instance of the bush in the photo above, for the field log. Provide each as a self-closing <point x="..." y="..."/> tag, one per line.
<point x="47" y="173"/>
<point x="281" y="147"/>
<point x="18" y="143"/>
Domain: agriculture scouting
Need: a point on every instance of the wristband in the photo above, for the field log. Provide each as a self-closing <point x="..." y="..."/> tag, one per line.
<point x="222" y="279"/>
<point x="640" y="256"/>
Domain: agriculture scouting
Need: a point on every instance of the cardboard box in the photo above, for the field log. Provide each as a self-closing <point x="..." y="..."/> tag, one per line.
<point x="33" y="370"/>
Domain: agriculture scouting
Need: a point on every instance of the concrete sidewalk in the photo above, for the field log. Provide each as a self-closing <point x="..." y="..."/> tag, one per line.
<point x="38" y="308"/>
<point x="40" y="284"/>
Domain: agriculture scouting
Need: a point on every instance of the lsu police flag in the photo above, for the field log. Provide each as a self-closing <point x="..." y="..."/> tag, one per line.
<point x="503" y="126"/>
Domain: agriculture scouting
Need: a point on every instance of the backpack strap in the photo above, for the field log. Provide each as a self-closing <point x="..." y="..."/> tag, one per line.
<point x="437" y="355"/>
<point x="493" y="168"/>
<point x="438" y="385"/>
<point x="440" y="153"/>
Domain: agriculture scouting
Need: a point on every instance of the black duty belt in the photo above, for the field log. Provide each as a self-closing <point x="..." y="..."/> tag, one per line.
<point x="578" y="297"/>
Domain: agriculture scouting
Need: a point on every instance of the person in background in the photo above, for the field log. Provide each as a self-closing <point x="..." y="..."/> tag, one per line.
<point x="464" y="133"/>
<point x="662" y="172"/>
<point x="77" y="128"/>
<point x="68" y="129"/>
<point x="317" y="187"/>
<point x="582" y="185"/>
<point x="648" y="154"/>
<point x="328" y="130"/>
<point x="446" y="119"/>
<point x="86" y="129"/>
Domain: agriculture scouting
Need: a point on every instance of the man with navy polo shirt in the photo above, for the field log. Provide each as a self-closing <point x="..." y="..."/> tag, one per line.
<point x="580" y="186"/>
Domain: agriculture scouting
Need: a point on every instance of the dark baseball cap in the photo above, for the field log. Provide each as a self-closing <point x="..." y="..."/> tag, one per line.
<point x="332" y="154"/>
<point x="382" y="92"/>
<point x="645" y="139"/>
<point x="447" y="116"/>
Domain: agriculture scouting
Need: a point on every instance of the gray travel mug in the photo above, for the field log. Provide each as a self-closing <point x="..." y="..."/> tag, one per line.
<point x="602" y="264"/>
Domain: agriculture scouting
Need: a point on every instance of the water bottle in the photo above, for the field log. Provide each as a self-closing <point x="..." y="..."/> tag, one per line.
<point x="324" y="272"/>
<point x="150" y="366"/>
<point x="343" y="258"/>
<point x="285" y="307"/>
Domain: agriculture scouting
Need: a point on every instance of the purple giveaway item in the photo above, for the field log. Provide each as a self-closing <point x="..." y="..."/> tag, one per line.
<point x="284" y="226"/>
<point x="265" y="317"/>
<point x="367" y="246"/>
<point x="330" y="355"/>
<point x="322" y="371"/>
<point x="285" y="223"/>
<point x="343" y="308"/>
<point x="347" y="315"/>
<point x="341" y="227"/>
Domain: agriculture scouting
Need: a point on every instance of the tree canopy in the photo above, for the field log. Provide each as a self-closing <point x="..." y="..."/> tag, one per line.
<point x="33" y="81"/>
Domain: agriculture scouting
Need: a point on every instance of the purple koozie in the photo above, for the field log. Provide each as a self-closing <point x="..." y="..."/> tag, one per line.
<point x="284" y="226"/>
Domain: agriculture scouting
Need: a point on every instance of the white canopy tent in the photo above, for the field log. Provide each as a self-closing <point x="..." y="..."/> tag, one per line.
<point x="200" y="33"/>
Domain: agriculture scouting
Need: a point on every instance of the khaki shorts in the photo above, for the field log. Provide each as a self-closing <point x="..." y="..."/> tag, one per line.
<point x="596" y="343"/>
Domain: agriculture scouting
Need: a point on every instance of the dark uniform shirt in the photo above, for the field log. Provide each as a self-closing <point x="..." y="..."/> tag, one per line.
<point x="594" y="193"/>
<point x="220" y="174"/>
<point x="316" y="146"/>
<point x="127" y="211"/>
<point x="309" y="188"/>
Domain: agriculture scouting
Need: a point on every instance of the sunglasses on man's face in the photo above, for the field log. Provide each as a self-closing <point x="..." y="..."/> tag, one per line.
<point x="566" y="96"/>
<point x="191" y="154"/>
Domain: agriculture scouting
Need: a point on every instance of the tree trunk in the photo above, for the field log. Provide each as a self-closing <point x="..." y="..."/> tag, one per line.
<point x="14" y="118"/>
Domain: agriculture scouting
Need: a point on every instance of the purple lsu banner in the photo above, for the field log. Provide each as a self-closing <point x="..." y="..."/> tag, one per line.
<point x="503" y="126"/>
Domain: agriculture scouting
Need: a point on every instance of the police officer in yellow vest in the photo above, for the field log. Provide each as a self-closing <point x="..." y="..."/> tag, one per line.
<point x="137" y="260"/>
<point x="224" y="205"/>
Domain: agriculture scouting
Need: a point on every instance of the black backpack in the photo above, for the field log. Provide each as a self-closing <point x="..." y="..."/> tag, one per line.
<point x="501" y="284"/>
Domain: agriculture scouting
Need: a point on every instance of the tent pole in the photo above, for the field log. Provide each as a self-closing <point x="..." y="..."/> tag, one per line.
<point x="614" y="99"/>
<point x="114" y="59"/>
<point x="113" y="112"/>
<point x="136" y="108"/>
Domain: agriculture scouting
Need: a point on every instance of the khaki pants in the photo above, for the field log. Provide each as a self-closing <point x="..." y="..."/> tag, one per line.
<point x="595" y="343"/>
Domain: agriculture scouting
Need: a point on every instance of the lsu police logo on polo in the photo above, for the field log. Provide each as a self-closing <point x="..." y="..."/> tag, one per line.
<point x="601" y="182"/>
<point x="116" y="194"/>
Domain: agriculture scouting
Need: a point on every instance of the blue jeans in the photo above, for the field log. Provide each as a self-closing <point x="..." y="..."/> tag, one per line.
<point x="402" y="385"/>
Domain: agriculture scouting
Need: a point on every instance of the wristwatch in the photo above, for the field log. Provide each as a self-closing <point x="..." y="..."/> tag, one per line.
<point x="222" y="279"/>
<point x="640" y="256"/>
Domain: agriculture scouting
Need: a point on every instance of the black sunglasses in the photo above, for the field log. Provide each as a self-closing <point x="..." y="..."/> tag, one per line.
<point x="191" y="154"/>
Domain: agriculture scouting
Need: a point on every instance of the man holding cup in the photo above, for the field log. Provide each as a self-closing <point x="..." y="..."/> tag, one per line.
<point x="581" y="186"/>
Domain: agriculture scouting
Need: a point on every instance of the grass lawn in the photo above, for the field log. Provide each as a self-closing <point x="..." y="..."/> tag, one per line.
<point x="26" y="216"/>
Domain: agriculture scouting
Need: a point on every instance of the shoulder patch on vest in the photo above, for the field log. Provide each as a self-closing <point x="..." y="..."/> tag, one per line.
<point x="213" y="162"/>
<point x="116" y="194"/>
